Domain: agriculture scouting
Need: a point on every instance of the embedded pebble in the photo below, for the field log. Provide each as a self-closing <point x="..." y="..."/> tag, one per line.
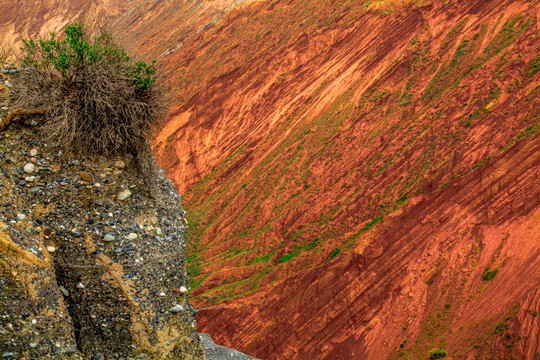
<point x="183" y="290"/>
<point x="80" y="204"/>
<point x="86" y="177"/>
<point x="109" y="238"/>
<point x="124" y="195"/>
<point x="29" y="168"/>
<point x="63" y="290"/>
<point x="176" y="309"/>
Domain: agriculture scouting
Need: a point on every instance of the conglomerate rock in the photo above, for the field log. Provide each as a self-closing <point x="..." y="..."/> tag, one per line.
<point x="87" y="271"/>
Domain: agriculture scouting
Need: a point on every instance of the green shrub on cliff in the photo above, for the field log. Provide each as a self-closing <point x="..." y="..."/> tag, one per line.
<point x="437" y="354"/>
<point x="98" y="100"/>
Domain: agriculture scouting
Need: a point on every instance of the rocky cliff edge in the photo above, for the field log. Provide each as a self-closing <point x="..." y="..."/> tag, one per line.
<point x="92" y="263"/>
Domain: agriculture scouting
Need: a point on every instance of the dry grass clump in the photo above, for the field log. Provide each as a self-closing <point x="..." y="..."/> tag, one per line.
<point x="97" y="100"/>
<point x="6" y="52"/>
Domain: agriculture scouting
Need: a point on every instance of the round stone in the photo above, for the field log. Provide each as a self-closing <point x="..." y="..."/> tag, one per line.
<point x="21" y="217"/>
<point x="51" y="249"/>
<point x="29" y="168"/>
<point x="132" y="236"/>
<point x="33" y="152"/>
<point x="183" y="290"/>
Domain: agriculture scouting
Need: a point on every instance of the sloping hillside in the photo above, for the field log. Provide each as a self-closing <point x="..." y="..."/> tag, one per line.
<point x="361" y="178"/>
<point x="347" y="175"/>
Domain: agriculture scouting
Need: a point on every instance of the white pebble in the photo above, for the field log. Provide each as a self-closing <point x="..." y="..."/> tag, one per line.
<point x="29" y="168"/>
<point x="132" y="236"/>
<point x="21" y="217"/>
<point x="124" y="195"/>
<point x="162" y="294"/>
<point x="33" y="152"/>
<point x="183" y="290"/>
<point x="176" y="309"/>
<point x="79" y="286"/>
<point x="51" y="249"/>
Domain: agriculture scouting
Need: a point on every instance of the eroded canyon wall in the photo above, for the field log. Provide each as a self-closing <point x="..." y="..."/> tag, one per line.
<point x="361" y="178"/>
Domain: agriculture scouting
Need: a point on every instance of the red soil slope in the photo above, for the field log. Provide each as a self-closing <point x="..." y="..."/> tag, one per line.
<point x="19" y="19"/>
<point x="353" y="174"/>
<point x="361" y="178"/>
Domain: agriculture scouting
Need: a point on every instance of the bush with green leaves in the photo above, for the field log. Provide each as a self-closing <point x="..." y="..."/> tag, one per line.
<point x="437" y="354"/>
<point x="97" y="99"/>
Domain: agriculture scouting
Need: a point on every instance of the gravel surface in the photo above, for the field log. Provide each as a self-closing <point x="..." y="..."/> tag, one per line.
<point x="218" y="352"/>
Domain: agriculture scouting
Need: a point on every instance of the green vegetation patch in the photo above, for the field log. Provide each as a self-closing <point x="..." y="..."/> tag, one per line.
<point x="263" y="258"/>
<point x="508" y="34"/>
<point x="489" y="275"/>
<point x="534" y="65"/>
<point x="437" y="354"/>
<point x="334" y="253"/>
<point x="288" y="256"/>
<point x="482" y="162"/>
